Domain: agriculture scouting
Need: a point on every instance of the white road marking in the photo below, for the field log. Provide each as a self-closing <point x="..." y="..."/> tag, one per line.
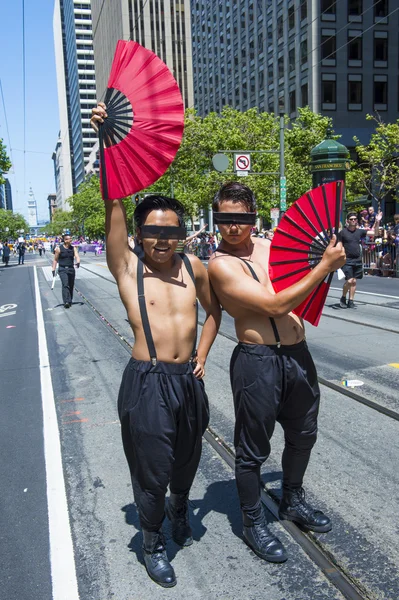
<point x="8" y="314"/>
<point x="62" y="560"/>
<point x="7" y="307"/>
<point x="368" y="293"/>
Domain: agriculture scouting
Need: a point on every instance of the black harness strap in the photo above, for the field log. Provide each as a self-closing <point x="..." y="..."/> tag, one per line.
<point x="190" y="271"/>
<point x="144" y="314"/>
<point x="143" y="308"/>
<point x="254" y="275"/>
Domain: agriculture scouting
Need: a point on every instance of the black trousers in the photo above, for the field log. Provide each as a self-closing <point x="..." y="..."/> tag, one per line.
<point x="164" y="412"/>
<point x="21" y="258"/>
<point x="67" y="276"/>
<point x="272" y="384"/>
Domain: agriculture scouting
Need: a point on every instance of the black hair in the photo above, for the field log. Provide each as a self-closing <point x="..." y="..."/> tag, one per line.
<point x="157" y="202"/>
<point x="65" y="235"/>
<point x="236" y="192"/>
<point x="351" y="214"/>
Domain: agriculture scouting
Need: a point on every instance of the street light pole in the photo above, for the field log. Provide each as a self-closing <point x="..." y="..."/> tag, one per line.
<point x="283" y="188"/>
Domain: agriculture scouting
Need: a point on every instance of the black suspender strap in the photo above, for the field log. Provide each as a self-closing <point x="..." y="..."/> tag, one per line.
<point x="144" y="314"/>
<point x="254" y="275"/>
<point x="190" y="271"/>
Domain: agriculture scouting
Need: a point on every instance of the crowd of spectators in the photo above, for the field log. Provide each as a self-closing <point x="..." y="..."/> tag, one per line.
<point x="380" y="252"/>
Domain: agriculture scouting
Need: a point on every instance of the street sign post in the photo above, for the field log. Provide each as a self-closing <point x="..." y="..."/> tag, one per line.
<point x="274" y="216"/>
<point x="283" y="194"/>
<point x="242" y="164"/>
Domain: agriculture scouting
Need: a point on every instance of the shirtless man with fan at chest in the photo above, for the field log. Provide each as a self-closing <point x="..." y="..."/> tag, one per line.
<point x="272" y="373"/>
<point x="162" y="403"/>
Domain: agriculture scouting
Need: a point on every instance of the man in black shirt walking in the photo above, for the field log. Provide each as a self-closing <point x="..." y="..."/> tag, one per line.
<point x="65" y="255"/>
<point x="350" y="237"/>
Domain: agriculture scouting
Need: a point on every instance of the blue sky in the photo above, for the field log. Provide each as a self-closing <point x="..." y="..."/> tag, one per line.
<point x="42" y="119"/>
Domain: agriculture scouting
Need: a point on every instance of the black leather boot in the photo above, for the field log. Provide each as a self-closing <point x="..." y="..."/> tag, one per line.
<point x="156" y="561"/>
<point x="177" y="513"/>
<point x="293" y="507"/>
<point x="261" y="540"/>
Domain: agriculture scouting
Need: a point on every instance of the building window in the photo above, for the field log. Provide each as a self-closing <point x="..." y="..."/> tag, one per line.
<point x="380" y="49"/>
<point x="281" y="67"/>
<point x="304" y="9"/>
<point x="304" y="94"/>
<point x="355" y="7"/>
<point x="291" y="17"/>
<point x="270" y="73"/>
<point x="291" y="60"/>
<point x="304" y="52"/>
<point x="355" y="93"/>
<point x="292" y="100"/>
<point x="280" y="29"/>
<point x="381" y="9"/>
<point x="328" y="7"/>
<point x="328" y="48"/>
<point x="328" y="94"/>
<point x="380" y="93"/>
<point x="355" y="47"/>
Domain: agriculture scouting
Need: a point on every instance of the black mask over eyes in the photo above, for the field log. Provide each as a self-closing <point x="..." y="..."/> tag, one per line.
<point x="160" y="232"/>
<point x="228" y="218"/>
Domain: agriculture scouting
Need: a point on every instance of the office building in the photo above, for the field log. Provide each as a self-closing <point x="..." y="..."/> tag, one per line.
<point x="339" y="58"/>
<point x="52" y="205"/>
<point x="76" y="94"/>
<point x="163" y="26"/>
<point x="8" y="195"/>
<point x="2" y="196"/>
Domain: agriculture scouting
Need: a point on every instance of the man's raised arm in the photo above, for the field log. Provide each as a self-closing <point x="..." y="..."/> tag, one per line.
<point x="226" y="278"/>
<point x="116" y="235"/>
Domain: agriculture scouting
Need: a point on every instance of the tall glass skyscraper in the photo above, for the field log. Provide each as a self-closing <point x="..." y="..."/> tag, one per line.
<point x="76" y="91"/>
<point x="339" y="58"/>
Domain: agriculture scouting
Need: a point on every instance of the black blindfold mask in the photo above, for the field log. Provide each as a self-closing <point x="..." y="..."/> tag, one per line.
<point x="227" y="218"/>
<point x="163" y="233"/>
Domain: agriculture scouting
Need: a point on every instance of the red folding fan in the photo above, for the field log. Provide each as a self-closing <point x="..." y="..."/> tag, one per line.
<point x="142" y="133"/>
<point x="300" y="242"/>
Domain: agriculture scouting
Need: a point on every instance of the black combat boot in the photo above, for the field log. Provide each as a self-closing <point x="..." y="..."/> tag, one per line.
<point x="177" y="513"/>
<point x="156" y="561"/>
<point x="261" y="540"/>
<point x="293" y="507"/>
<point x="342" y="302"/>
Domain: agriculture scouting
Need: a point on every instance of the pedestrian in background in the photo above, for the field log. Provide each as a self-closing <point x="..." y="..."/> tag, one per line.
<point x="64" y="256"/>
<point x="6" y="254"/>
<point x="350" y="236"/>
<point x="21" y="252"/>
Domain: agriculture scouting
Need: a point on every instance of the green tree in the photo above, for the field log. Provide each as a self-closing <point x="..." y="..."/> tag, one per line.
<point x="377" y="171"/>
<point x="62" y="220"/>
<point x="5" y="163"/>
<point x="14" y="222"/>
<point x="193" y="179"/>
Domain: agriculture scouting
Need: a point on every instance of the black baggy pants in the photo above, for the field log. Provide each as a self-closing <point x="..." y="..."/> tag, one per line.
<point x="164" y="412"/>
<point x="67" y="276"/>
<point x="272" y="384"/>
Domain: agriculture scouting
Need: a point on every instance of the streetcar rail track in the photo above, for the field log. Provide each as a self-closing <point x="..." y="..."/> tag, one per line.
<point x="370" y="325"/>
<point x="325" y="382"/>
<point x="350" y="587"/>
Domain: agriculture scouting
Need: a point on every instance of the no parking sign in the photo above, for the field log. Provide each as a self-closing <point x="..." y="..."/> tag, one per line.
<point x="242" y="164"/>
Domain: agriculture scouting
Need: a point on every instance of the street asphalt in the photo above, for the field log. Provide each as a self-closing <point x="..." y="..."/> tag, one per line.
<point x="352" y="475"/>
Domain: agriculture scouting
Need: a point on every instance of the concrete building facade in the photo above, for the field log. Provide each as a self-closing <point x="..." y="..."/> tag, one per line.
<point x="163" y="26"/>
<point x="73" y="42"/>
<point x="339" y="58"/>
